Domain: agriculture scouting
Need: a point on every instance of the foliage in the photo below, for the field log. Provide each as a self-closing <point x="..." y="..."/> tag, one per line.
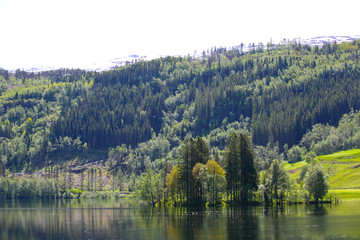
<point x="278" y="181"/>
<point x="241" y="175"/>
<point x="316" y="182"/>
<point x="266" y="154"/>
<point x="193" y="152"/>
<point x="173" y="184"/>
<point x="213" y="182"/>
<point x="325" y="139"/>
<point x="142" y="113"/>
<point x="149" y="188"/>
<point x="296" y="154"/>
<point x="27" y="111"/>
<point x="28" y="188"/>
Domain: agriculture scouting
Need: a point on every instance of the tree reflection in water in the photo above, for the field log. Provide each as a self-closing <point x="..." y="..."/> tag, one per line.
<point x="127" y="219"/>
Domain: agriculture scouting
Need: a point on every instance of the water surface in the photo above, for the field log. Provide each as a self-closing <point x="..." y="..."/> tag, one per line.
<point x="129" y="219"/>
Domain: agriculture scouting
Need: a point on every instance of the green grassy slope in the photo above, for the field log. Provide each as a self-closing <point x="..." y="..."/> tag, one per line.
<point x="343" y="169"/>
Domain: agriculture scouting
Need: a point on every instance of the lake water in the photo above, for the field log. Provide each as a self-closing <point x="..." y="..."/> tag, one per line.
<point x="128" y="219"/>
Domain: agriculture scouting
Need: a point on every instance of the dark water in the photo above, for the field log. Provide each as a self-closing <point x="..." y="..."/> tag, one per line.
<point x="127" y="219"/>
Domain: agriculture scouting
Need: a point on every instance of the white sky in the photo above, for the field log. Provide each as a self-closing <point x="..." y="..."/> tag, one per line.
<point x="75" y="33"/>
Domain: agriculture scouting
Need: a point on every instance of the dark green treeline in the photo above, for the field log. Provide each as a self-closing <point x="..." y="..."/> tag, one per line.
<point x="284" y="90"/>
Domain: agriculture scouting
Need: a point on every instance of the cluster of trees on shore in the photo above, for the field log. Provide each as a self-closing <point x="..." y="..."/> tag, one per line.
<point x="197" y="180"/>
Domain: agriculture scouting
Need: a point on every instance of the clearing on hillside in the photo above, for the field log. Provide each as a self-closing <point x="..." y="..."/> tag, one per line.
<point x="343" y="169"/>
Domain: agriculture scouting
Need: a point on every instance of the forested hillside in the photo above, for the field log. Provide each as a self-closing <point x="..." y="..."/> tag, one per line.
<point x="142" y="113"/>
<point x="29" y="105"/>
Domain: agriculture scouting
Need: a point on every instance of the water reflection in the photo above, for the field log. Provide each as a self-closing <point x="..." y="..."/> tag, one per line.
<point x="242" y="223"/>
<point x="184" y="223"/>
<point x="124" y="219"/>
<point x="318" y="209"/>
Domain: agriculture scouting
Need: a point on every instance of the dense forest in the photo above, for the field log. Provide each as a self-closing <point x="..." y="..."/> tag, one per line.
<point x="288" y="99"/>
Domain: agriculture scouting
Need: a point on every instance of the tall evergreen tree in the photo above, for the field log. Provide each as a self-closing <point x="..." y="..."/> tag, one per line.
<point x="248" y="173"/>
<point x="241" y="175"/>
<point x="193" y="152"/>
<point x="232" y="167"/>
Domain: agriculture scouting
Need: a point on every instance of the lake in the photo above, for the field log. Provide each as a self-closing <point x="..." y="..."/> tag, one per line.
<point x="129" y="219"/>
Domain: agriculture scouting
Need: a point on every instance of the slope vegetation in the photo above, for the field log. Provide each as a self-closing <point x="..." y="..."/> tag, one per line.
<point x="143" y="112"/>
<point x="343" y="169"/>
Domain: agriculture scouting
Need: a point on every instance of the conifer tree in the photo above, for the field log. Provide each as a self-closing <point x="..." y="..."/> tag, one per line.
<point x="248" y="175"/>
<point x="193" y="152"/>
<point x="241" y="175"/>
<point x="232" y="167"/>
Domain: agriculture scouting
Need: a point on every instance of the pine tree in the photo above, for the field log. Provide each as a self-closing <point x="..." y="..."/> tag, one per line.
<point x="248" y="175"/>
<point x="185" y="170"/>
<point x="232" y="167"/>
<point x="241" y="175"/>
<point x="193" y="152"/>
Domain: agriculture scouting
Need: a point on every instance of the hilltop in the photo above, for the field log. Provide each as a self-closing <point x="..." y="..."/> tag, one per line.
<point x="106" y="64"/>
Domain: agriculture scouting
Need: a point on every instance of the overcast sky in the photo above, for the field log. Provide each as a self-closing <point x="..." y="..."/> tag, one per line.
<point x="74" y="33"/>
